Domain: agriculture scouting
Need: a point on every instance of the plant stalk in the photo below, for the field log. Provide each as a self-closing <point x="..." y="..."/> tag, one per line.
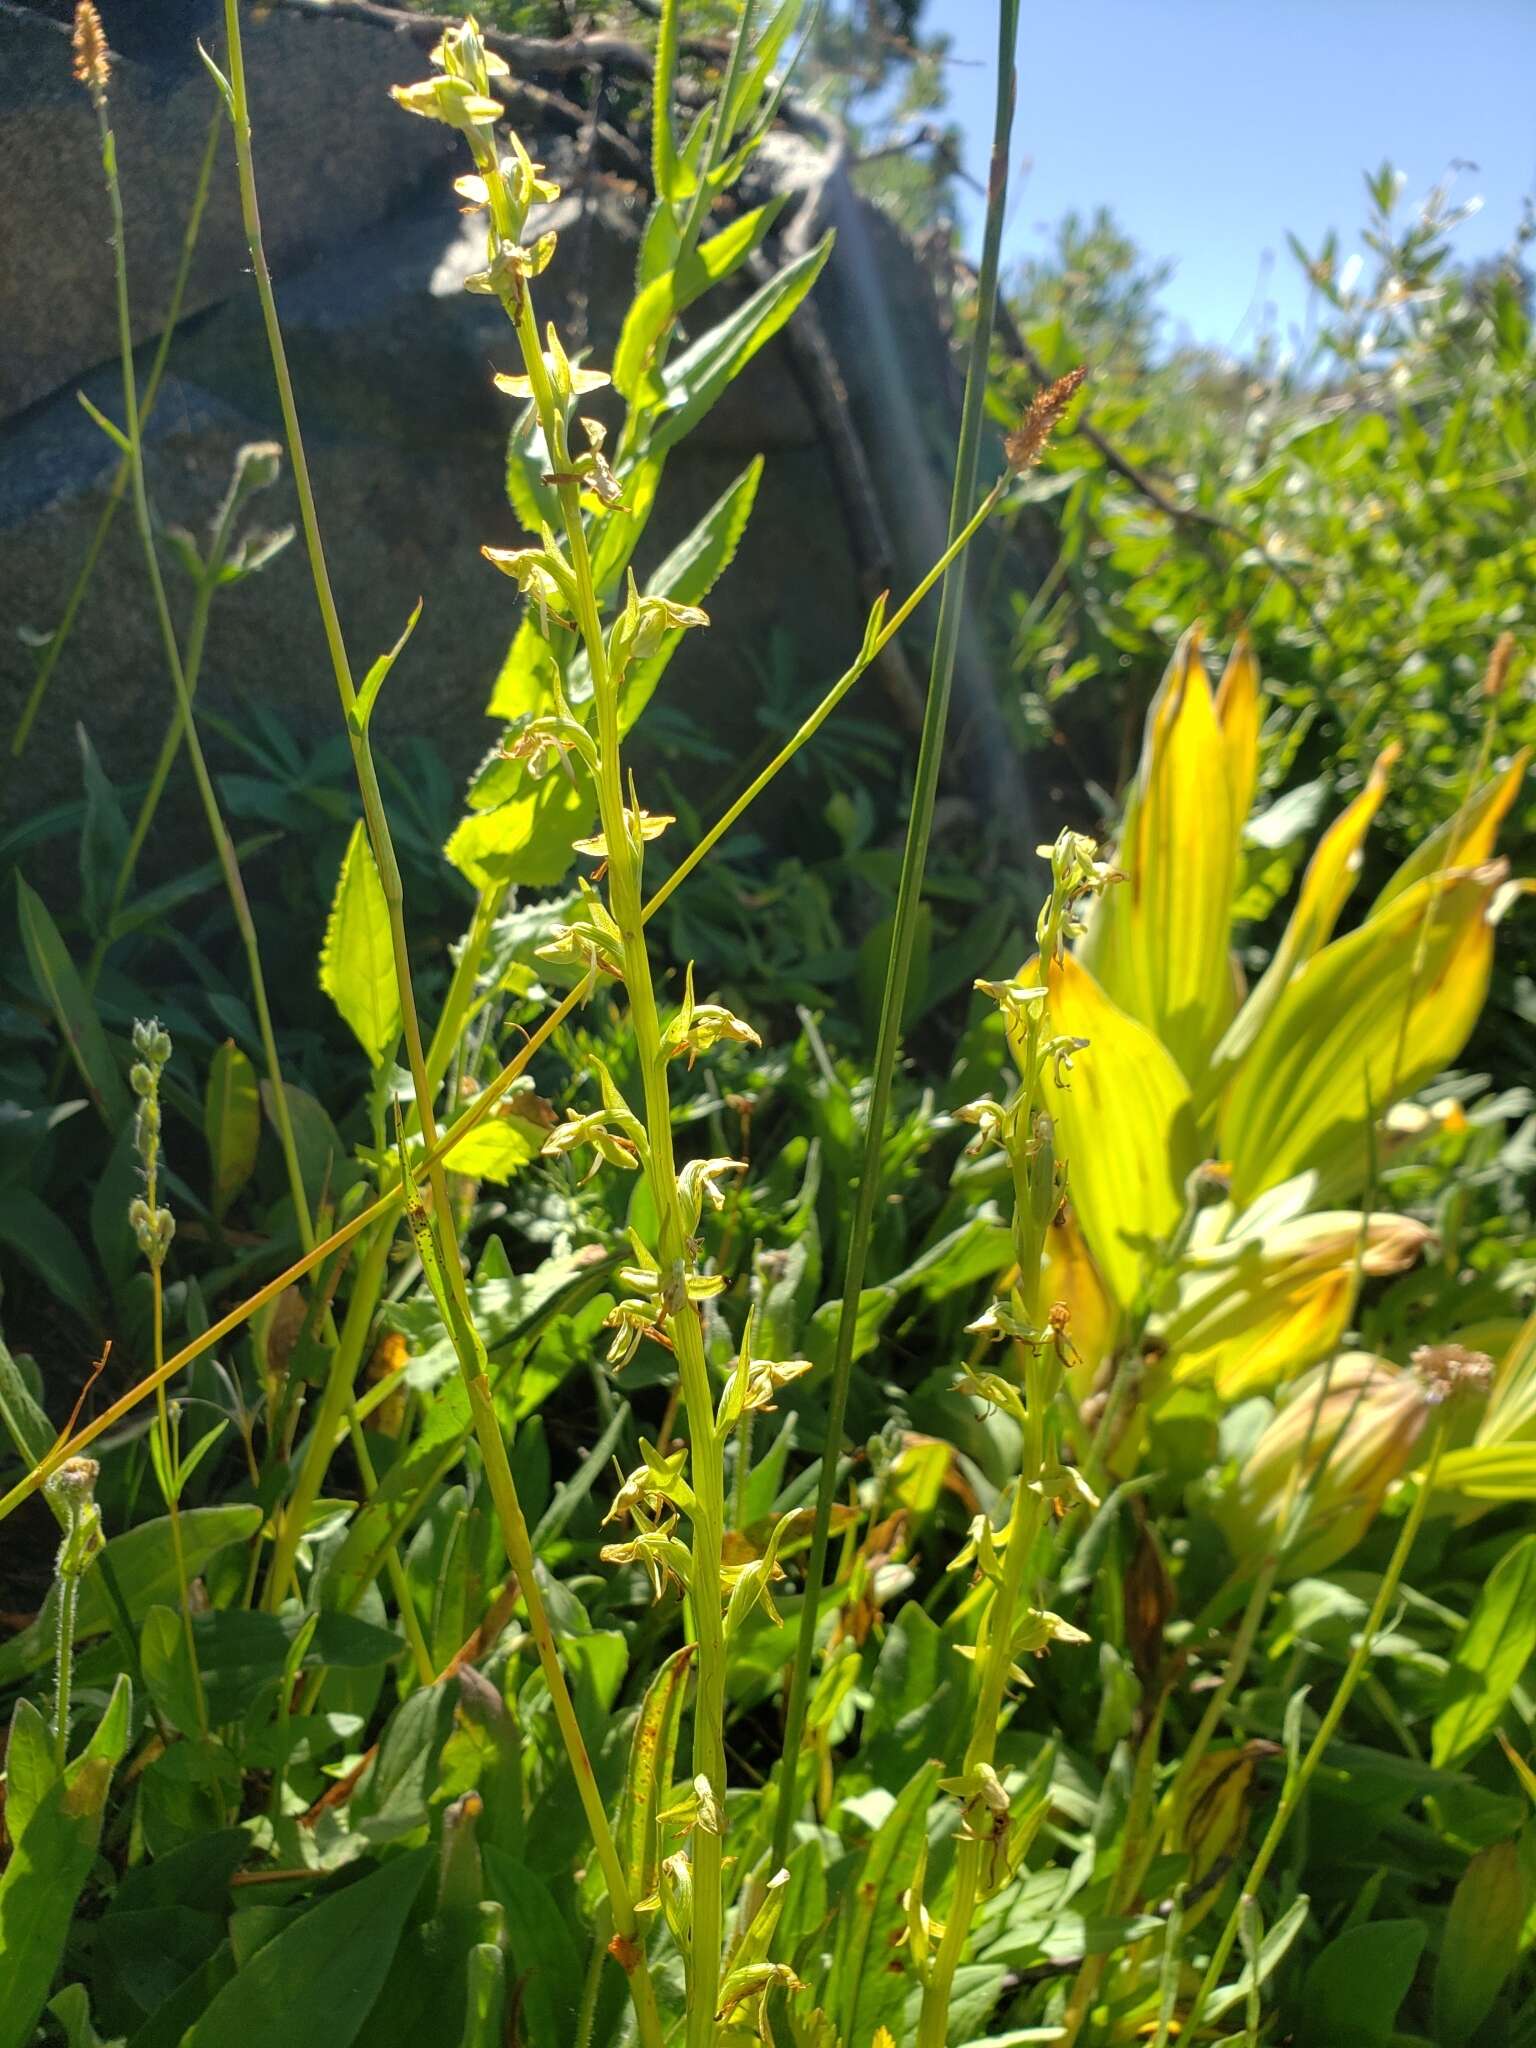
<point x="935" y="719"/>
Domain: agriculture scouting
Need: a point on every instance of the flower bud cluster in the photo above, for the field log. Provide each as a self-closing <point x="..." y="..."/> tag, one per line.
<point x="153" y="1226"/>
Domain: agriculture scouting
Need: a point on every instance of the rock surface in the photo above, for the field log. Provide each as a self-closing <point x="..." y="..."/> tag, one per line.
<point x="392" y="364"/>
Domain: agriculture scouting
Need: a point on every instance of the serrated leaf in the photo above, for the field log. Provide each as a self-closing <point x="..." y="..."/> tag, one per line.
<point x="694" y="380"/>
<point x="656" y="307"/>
<point x="357" y="963"/>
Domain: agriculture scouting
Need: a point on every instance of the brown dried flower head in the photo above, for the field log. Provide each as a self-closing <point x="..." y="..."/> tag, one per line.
<point x="93" y="60"/>
<point x="1499" y="665"/>
<point x="1026" y="444"/>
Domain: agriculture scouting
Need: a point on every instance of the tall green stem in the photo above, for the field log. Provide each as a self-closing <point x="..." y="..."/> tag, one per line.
<point x="909" y="896"/>
<point x="61" y="632"/>
<point x="487" y="1429"/>
<point x="224" y="845"/>
<point x="1300" y="1777"/>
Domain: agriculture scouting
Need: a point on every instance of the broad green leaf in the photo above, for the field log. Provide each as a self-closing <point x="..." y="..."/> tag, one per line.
<point x="526" y="683"/>
<point x="71" y="2007"/>
<point x="231" y="1123"/>
<point x="373" y="682"/>
<point x="1489" y="1656"/>
<point x="870" y="1975"/>
<point x="648" y="1783"/>
<point x="1159" y="943"/>
<point x="1326" y="887"/>
<point x="61" y="986"/>
<point x="1481" y="1943"/>
<point x="695" y="379"/>
<point x="1467" y="837"/>
<point x="312" y="1985"/>
<point x="357" y="962"/>
<point x="527" y="840"/>
<point x="1355" y="1986"/>
<point x="39" y="1888"/>
<point x="143" y="1560"/>
<point x="655" y="308"/>
<point x="497" y="1149"/>
<point x="1257" y="1307"/>
<point x="1368" y="1019"/>
<point x="1124" y="1128"/>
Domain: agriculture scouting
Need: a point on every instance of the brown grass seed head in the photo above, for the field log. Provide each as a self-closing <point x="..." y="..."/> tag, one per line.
<point x="1026" y="444"/>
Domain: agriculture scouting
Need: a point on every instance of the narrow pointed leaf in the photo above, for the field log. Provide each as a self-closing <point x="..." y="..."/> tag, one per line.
<point x="1365" y="1022"/>
<point x="61" y="987"/>
<point x="231" y="1123"/>
<point x="357" y="969"/>
<point x="1160" y="942"/>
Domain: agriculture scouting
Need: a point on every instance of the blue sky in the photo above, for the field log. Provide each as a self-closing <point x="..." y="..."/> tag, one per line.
<point x="1211" y="126"/>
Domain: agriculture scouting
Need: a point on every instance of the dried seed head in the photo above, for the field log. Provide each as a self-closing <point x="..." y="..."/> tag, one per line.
<point x="1026" y="444"/>
<point x="1498" y="666"/>
<point x="93" y="61"/>
<point x="1447" y="1369"/>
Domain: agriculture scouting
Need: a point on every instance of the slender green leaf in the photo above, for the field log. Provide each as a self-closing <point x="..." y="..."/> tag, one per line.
<point x="655" y="309"/>
<point x="695" y="379"/>
<point x="1490" y="1654"/>
<point x="231" y="1123"/>
<point x="59" y="983"/>
<point x="103" y="837"/>
<point x="544" y="1961"/>
<point x="37" y="1236"/>
<point x="373" y="682"/>
<point x="870" y="1979"/>
<point x="30" y="1767"/>
<point x="648" y="1783"/>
